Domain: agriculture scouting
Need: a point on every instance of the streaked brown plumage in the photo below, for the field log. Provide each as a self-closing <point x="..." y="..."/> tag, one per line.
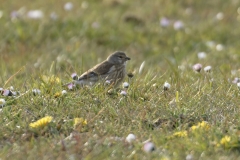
<point x="113" y="70"/>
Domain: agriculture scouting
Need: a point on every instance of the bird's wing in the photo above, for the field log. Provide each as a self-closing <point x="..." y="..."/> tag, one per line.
<point x="98" y="70"/>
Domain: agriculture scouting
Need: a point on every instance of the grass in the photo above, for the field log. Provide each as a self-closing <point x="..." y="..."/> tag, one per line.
<point x="197" y="117"/>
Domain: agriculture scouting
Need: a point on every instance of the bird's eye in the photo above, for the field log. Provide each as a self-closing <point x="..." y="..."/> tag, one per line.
<point x="120" y="57"/>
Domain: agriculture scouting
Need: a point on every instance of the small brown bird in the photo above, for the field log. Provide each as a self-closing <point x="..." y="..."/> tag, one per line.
<point x="112" y="70"/>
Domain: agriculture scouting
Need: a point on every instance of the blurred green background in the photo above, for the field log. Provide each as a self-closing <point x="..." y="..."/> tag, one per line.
<point x="79" y="37"/>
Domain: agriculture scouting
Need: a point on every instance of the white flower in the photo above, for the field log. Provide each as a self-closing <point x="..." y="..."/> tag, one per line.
<point x="124" y="93"/>
<point x="207" y="69"/>
<point x="2" y="102"/>
<point x="11" y="88"/>
<point x="125" y="85"/>
<point x="36" y="92"/>
<point x="220" y="16"/>
<point x="164" y="22"/>
<point x="202" y="55"/>
<point x="210" y="44"/>
<point x="68" y="6"/>
<point x="166" y="86"/>
<point x="141" y="67"/>
<point x="219" y="47"/>
<point x="238" y="84"/>
<point x="178" y="25"/>
<point x="189" y="157"/>
<point x="107" y="82"/>
<point x="155" y="85"/>
<point x="130" y="138"/>
<point x="197" y="67"/>
<point x="148" y="147"/>
<point x="64" y="92"/>
<point x="35" y="14"/>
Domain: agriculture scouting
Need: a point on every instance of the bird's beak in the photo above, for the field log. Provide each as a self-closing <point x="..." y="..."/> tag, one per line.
<point x="127" y="58"/>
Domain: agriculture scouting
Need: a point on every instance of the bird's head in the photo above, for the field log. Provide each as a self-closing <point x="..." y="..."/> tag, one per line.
<point x="118" y="57"/>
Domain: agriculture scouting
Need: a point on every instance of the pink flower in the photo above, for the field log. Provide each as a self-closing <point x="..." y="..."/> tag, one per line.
<point x="178" y="25"/>
<point x="148" y="147"/>
<point x="197" y="67"/>
<point x="71" y="86"/>
<point x="74" y="76"/>
<point x="236" y="80"/>
<point x="164" y="22"/>
<point x="124" y="93"/>
<point x="6" y="92"/>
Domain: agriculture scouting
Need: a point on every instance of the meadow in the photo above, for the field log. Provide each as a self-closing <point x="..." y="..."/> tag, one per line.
<point x="180" y="99"/>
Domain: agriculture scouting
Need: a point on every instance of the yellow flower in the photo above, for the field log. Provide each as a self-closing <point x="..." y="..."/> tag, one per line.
<point x="193" y="128"/>
<point x="58" y="94"/>
<point x="225" y="140"/>
<point x="41" y="122"/>
<point x="165" y="158"/>
<point x="218" y="145"/>
<point x="201" y="125"/>
<point x="80" y="121"/>
<point x="204" y="125"/>
<point x="180" y="134"/>
<point x="52" y="79"/>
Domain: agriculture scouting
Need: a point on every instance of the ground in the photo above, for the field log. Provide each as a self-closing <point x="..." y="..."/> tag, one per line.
<point x="195" y="116"/>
